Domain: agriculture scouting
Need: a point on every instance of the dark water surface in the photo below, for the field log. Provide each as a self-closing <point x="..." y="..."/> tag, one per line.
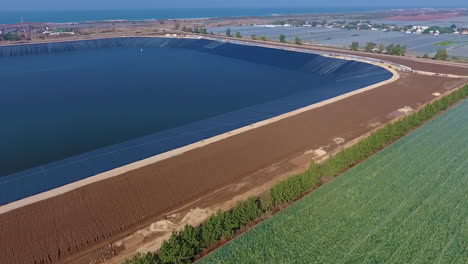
<point x="67" y="115"/>
<point x="65" y="104"/>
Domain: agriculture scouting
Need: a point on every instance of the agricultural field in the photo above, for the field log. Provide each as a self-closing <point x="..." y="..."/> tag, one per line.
<point x="445" y="43"/>
<point x="416" y="44"/>
<point x="405" y="204"/>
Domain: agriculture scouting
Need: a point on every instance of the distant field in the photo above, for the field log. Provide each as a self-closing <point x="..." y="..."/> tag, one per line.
<point x="416" y="44"/>
<point x="406" y="204"/>
<point x="445" y="43"/>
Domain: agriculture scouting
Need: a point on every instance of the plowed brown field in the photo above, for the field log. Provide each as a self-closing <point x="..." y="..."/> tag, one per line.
<point x="96" y="214"/>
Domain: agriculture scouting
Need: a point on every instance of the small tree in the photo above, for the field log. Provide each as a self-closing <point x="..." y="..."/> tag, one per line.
<point x="397" y="50"/>
<point x="202" y="30"/>
<point x="253" y="36"/>
<point x="264" y="38"/>
<point x="141" y="258"/>
<point x="425" y="56"/>
<point x="381" y="48"/>
<point x="237" y="35"/>
<point x="441" y="55"/>
<point x="355" y="46"/>
<point x="298" y="41"/>
<point x="282" y="38"/>
<point x="369" y="46"/>
<point x="228" y="32"/>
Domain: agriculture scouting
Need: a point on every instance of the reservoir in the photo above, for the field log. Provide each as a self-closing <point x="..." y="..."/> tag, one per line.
<point x="71" y="110"/>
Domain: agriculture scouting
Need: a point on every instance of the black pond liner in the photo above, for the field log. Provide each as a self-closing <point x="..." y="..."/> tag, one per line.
<point x="346" y="75"/>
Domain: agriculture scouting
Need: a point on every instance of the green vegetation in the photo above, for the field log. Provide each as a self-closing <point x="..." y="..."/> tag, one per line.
<point x="441" y="55"/>
<point x="370" y="46"/>
<point x="253" y="36"/>
<point x="202" y="30"/>
<point x="282" y="38"/>
<point x="140" y="258"/>
<point x="237" y="35"/>
<point x="228" y="32"/>
<point x="441" y="30"/>
<point x="406" y="204"/>
<point x="381" y="48"/>
<point x="445" y="43"/>
<point x="184" y="246"/>
<point x="298" y="41"/>
<point x="392" y="49"/>
<point x="185" y="29"/>
<point x="9" y="37"/>
<point x="397" y="50"/>
<point x="290" y="22"/>
<point x="264" y="38"/>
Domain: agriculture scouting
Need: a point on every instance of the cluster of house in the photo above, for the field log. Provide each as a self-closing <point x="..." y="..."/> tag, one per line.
<point x="463" y="31"/>
<point x="367" y="25"/>
<point x="50" y="32"/>
<point x="420" y="30"/>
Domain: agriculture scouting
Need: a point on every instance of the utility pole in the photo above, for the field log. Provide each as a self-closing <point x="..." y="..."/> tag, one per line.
<point x="24" y="29"/>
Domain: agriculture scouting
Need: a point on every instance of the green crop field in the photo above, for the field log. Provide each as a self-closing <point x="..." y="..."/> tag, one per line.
<point x="445" y="43"/>
<point x="405" y="204"/>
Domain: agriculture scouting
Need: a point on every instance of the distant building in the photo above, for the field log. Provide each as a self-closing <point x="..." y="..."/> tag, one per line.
<point x="47" y="31"/>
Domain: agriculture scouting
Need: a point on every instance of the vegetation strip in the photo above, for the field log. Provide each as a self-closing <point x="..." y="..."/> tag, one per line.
<point x="405" y="204"/>
<point x="186" y="245"/>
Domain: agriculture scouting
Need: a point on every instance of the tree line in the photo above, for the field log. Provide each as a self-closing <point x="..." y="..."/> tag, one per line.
<point x="9" y="37"/>
<point x="392" y="49"/>
<point x="281" y="38"/>
<point x="184" y="246"/>
<point x="197" y="30"/>
<point x="441" y="54"/>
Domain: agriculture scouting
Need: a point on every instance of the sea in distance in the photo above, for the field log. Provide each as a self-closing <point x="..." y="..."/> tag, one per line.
<point x="10" y="17"/>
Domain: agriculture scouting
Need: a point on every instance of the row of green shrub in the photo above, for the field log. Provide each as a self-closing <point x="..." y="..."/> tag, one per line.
<point x="184" y="246"/>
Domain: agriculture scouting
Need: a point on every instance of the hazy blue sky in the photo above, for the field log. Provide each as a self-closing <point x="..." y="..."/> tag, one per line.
<point x="106" y="4"/>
